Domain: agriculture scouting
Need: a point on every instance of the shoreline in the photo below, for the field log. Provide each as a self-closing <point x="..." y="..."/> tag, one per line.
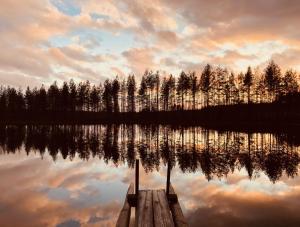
<point x="230" y="116"/>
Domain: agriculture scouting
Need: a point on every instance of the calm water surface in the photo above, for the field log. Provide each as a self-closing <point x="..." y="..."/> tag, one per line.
<point x="79" y="175"/>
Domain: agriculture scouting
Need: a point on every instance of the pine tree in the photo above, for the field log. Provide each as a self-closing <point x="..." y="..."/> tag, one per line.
<point x="53" y="97"/>
<point x="172" y="91"/>
<point x="131" y="89"/>
<point x="194" y="87"/>
<point x="107" y="96"/>
<point x="165" y="93"/>
<point x="72" y="95"/>
<point x="87" y="95"/>
<point x="150" y="82"/>
<point x="157" y="84"/>
<point x="143" y="100"/>
<point x="248" y="82"/>
<point x="206" y="82"/>
<point x="123" y="91"/>
<point x="95" y="98"/>
<point x="183" y="85"/>
<point x="29" y="99"/>
<point x="115" y="94"/>
<point x="3" y="99"/>
<point x="272" y="79"/>
<point x="65" y="96"/>
<point x="42" y="99"/>
<point x="289" y="83"/>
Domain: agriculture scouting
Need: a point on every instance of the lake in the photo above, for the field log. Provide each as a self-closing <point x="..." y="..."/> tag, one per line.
<point x="79" y="175"/>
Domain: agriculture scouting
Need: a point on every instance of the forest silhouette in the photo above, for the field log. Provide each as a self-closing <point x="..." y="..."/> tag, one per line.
<point x="256" y="96"/>
<point x="192" y="149"/>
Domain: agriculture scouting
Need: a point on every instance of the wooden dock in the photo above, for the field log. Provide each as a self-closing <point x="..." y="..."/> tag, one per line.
<point x="154" y="208"/>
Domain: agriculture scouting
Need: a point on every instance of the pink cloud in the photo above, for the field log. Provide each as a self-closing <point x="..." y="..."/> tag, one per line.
<point x="186" y="33"/>
<point x="139" y="59"/>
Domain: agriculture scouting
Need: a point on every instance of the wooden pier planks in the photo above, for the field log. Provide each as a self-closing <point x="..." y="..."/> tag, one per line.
<point x="162" y="214"/>
<point x="153" y="209"/>
<point x="144" y="214"/>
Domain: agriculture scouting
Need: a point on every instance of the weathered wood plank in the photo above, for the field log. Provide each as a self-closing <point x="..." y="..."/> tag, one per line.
<point x="144" y="215"/>
<point x="153" y="208"/>
<point x="178" y="217"/>
<point x="140" y="206"/>
<point x="149" y="209"/>
<point x="124" y="216"/>
<point x="156" y="209"/>
<point x="165" y="208"/>
<point x="162" y="214"/>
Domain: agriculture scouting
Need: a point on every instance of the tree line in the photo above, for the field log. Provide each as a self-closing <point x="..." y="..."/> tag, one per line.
<point x="189" y="91"/>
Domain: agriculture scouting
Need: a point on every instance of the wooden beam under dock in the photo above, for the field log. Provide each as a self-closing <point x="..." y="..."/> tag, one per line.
<point x="124" y="216"/>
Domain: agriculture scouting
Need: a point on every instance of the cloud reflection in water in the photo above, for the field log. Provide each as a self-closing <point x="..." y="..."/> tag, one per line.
<point x="82" y="177"/>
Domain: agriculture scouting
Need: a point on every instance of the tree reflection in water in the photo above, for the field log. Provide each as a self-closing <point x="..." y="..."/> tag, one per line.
<point x="193" y="149"/>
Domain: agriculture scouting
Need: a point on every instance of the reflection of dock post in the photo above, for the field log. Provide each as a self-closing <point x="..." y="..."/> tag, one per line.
<point x="137" y="178"/>
<point x="137" y="166"/>
<point x="168" y="178"/>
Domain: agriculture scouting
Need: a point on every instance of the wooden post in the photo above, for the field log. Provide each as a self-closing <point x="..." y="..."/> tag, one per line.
<point x="168" y="178"/>
<point x="136" y="177"/>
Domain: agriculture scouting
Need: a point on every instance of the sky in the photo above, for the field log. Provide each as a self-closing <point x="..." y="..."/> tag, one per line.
<point x="43" y="41"/>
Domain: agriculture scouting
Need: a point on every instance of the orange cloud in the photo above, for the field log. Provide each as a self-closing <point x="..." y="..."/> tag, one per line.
<point x="167" y="39"/>
<point x="140" y="59"/>
<point x="32" y="197"/>
<point x="240" y="208"/>
<point x="188" y="33"/>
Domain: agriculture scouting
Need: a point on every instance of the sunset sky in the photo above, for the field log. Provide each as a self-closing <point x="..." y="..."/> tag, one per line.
<point x="46" y="40"/>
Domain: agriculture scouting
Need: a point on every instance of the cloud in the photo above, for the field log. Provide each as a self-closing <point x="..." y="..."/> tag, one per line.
<point x="167" y="39"/>
<point x="59" y="58"/>
<point x="250" y="20"/>
<point x="80" y="54"/>
<point x="69" y="223"/>
<point x="151" y="15"/>
<point x="118" y="72"/>
<point x="43" y="40"/>
<point x="231" y="59"/>
<point x="170" y="62"/>
<point x="30" y="21"/>
<point x="28" y="61"/>
<point x="95" y="219"/>
<point x="27" y="54"/>
<point x="35" y="197"/>
<point x="288" y="58"/>
<point x="18" y="79"/>
<point x="240" y="208"/>
<point x="139" y="59"/>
